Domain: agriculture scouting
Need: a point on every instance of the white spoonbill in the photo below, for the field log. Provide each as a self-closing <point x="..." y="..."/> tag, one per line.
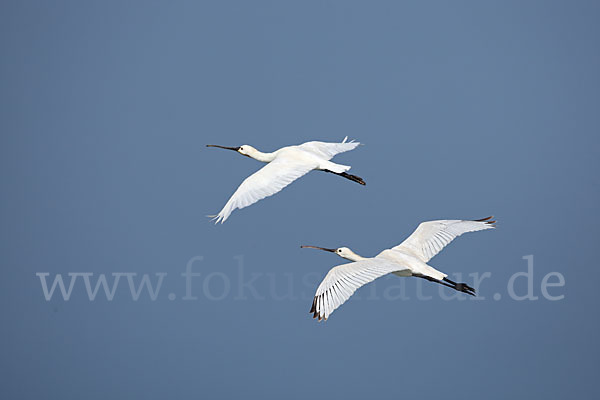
<point x="409" y="258"/>
<point x="284" y="166"/>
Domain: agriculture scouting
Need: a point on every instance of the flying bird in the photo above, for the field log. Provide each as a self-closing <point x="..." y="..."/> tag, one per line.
<point x="283" y="167"/>
<point x="409" y="258"/>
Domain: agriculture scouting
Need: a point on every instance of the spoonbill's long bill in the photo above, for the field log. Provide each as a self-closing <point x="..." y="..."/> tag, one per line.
<point x="284" y="166"/>
<point x="409" y="258"/>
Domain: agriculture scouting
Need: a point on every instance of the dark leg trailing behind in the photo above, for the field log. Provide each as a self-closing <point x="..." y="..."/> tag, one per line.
<point x="354" y="178"/>
<point x="461" y="287"/>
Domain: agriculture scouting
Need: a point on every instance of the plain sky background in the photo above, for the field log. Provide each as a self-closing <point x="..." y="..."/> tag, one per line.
<point x="466" y="109"/>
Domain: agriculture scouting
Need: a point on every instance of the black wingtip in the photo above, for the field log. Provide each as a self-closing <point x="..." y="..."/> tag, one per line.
<point x="486" y="220"/>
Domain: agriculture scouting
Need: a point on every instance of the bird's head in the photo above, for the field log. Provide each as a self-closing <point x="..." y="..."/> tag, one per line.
<point x="343" y="252"/>
<point x="245" y="150"/>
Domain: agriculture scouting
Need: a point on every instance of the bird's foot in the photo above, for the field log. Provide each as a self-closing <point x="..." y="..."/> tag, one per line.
<point x="354" y="178"/>
<point x="463" y="287"/>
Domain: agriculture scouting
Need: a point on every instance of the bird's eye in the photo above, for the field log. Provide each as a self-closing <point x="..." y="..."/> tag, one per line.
<point x="339" y="250"/>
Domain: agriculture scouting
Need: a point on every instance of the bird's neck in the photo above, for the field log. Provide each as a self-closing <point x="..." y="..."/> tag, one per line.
<point x="354" y="257"/>
<point x="262" y="157"/>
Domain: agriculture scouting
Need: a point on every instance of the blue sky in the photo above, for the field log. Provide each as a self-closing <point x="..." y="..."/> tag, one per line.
<point x="466" y="109"/>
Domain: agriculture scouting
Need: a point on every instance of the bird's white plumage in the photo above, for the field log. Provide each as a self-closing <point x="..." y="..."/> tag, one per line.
<point x="407" y="259"/>
<point x="284" y="166"/>
<point x="431" y="237"/>
<point x="328" y="150"/>
<point x="342" y="281"/>
<point x="265" y="182"/>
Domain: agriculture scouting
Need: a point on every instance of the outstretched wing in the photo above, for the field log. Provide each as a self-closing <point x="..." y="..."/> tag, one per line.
<point x="329" y="150"/>
<point x="265" y="182"/>
<point x="342" y="281"/>
<point x="432" y="236"/>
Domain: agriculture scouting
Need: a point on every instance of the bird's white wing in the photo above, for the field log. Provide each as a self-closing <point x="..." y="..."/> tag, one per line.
<point x="265" y="182"/>
<point x="342" y="281"/>
<point x="432" y="236"/>
<point x="329" y="150"/>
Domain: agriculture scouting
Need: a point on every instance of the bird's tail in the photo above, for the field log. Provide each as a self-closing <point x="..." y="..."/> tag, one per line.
<point x="333" y="167"/>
